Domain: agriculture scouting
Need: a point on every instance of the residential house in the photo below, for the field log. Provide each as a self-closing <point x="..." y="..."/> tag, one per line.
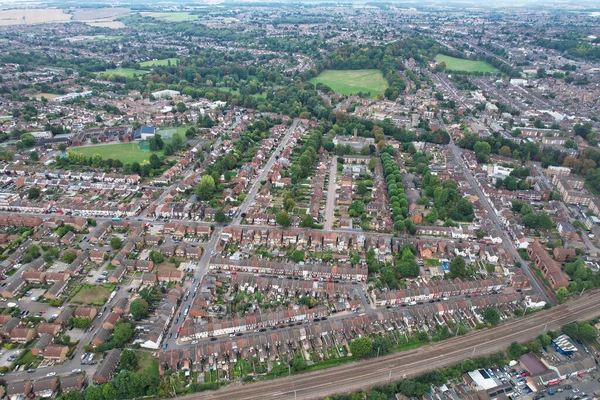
<point x="108" y="366"/>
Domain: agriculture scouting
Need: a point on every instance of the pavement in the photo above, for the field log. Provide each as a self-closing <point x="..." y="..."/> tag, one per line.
<point x="251" y="195"/>
<point x="351" y="377"/>
<point x="506" y="241"/>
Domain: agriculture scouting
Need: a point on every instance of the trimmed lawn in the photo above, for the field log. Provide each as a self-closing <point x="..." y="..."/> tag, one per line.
<point x="353" y="81"/>
<point x="125" y="152"/>
<point x="93" y="294"/>
<point x="431" y="263"/>
<point x="164" y="61"/>
<point x="126" y="72"/>
<point x="460" y="64"/>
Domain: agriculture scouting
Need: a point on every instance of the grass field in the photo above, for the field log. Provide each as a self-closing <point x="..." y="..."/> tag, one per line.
<point x="153" y="63"/>
<point x="125" y="152"/>
<point x="460" y="64"/>
<point x="353" y="81"/>
<point x="93" y="294"/>
<point x="127" y="72"/>
<point x="173" y="16"/>
<point x="147" y="364"/>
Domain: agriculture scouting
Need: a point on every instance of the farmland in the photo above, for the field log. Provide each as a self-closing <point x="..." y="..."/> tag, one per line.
<point x="156" y="63"/>
<point x="172" y="16"/>
<point x="33" y="16"/>
<point x="353" y="81"/>
<point x="125" y="152"/>
<point x="127" y="72"/>
<point x="459" y="64"/>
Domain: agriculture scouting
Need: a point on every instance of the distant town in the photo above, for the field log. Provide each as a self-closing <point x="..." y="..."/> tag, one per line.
<point x="341" y="201"/>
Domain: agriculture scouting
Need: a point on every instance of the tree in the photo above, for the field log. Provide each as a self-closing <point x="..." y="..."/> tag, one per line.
<point x="361" y="347"/>
<point x="80" y="322"/>
<point x="482" y="148"/>
<point x="139" y="309"/>
<point x="514" y="351"/>
<point x="156" y="143"/>
<point x="115" y="243"/>
<point x="206" y="188"/>
<point x="34" y="156"/>
<point x="458" y="268"/>
<point x="220" y="216"/>
<point x="283" y="218"/>
<point x="68" y="257"/>
<point x="307" y="221"/>
<point x="491" y="315"/>
<point x="34" y="193"/>
<point x="154" y="161"/>
<point x="505" y="151"/>
<point x="156" y="257"/>
<point x="297" y="256"/>
<point x="129" y="360"/>
<point x="289" y="204"/>
<point x="122" y="334"/>
<point x="181" y="107"/>
<point x="561" y="295"/>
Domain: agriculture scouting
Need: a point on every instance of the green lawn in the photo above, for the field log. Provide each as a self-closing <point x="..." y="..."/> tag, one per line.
<point x="93" y="294"/>
<point x="353" y="81"/>
<point x="153" y="63"/>
<point x="460" y="64"/>
<point x="431" y="263"/>
<point x="175" y="16"/>
<point x="126" y="72"/>
<point x="147" y="364"/>
<point x="125" y="152"/>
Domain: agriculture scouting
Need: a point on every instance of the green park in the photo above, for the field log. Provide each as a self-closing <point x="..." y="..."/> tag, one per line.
<point x="350" y="82"/>
<point x="460" y="64"/>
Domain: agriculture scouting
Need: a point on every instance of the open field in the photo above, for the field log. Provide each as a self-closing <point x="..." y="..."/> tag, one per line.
<point x="459" y="64"/>
<point x="353" y="81"/>
<point x="153" y="63"/>
<point x="93" y="294"/>
<point x="48" y="96"/>
<point x="125" y="152"/>
<point x="86" y="14"/>
<point x="171" y="16"/>
<point x="107" y="24"/>
<point x="33" y="16"/>
<point x="127" y="72"/>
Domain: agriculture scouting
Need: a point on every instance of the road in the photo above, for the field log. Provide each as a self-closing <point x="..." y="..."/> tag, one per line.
<point x="201" y="270"/>
<point x="330" y="204"/>
<point x="507" y="242"/>
<point x="251" y="195"/>
<point x="361" y="375"/>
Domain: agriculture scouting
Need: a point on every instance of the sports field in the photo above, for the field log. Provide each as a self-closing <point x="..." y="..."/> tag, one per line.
<point x="125" y="152"/>
<point x="460" y="64"/>
<point x="172" y="16"/>
<point x="153" y="63"/>
<point x="353" y="81"/>
<point x="127" y="72"/>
